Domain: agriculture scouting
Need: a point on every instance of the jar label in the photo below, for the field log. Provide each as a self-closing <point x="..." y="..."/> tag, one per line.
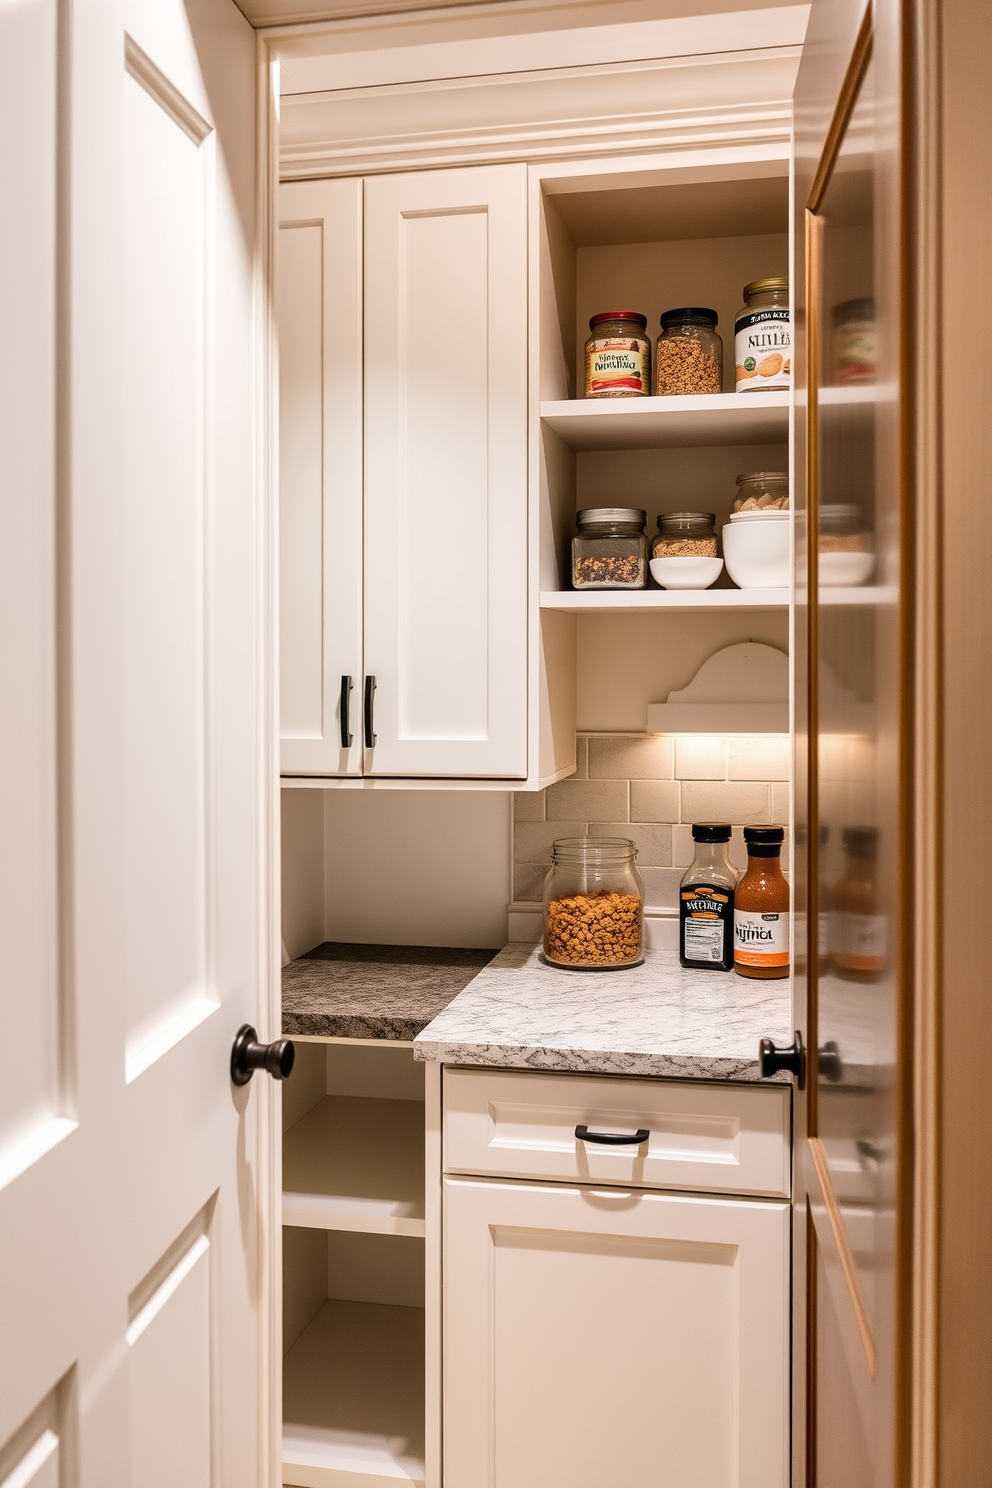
<point x="761" y="939"/>
<point x="705" y="913"/>
<point x="763" y="350"/>
<point x="859" y="942"/>
<point x="617" y="365"/>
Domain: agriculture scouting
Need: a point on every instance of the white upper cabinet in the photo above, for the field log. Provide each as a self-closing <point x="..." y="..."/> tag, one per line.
<point x="319" y="297"/>
<point x="432" y="626"/>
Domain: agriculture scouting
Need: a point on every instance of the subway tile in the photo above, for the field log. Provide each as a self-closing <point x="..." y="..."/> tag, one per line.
<point x="701" y="757"/>
<point x="581" y="758"/>
<point x="532" y="840"/>
<point x="631" y="757"/>
<point x="780" y="805"/>
<point x="592" y="800"/>
<point x="683" y="847"/>
<point x="661" y="887"/>
<point x="528" y="806"/>
<point x="653" y="842"/>
<point x="749" y="805"/>
<point x="759" y="757"/>
<point x="528" y="881"/>
<point x="654" y="800"/>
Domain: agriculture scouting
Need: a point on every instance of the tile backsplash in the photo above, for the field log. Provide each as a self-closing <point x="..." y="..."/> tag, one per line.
<point x="651" y="788"/>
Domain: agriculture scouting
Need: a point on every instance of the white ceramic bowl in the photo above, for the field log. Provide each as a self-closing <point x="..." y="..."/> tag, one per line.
<point x="686" y="573"/>
<point x="848" y="569"/>
<point x="758" y="550"/>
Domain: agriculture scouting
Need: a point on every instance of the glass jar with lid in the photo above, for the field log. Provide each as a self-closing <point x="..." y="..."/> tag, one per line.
<point x="593" y="904"/>
<point x="845" y="546"/>
<point x="685" y="534"/>
<point x="762" y="490"/>
<point x="688" y="356"/>
<point x="610" y="549"/>
<point x="763" y="338"/>
<point x="854" y="342"/>
<point x="618" y="355"/>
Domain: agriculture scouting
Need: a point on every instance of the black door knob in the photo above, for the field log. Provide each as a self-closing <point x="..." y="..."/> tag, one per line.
<point x="791" y="1058"/>
<point x="248" y="1055"/>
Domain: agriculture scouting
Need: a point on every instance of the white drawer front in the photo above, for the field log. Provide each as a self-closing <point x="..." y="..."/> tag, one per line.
<point x="713" y="1138"/>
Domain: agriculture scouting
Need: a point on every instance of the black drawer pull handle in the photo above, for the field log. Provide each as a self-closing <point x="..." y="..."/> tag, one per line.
<point x="612" y="1139"/>
<point x="346" y="685"/>
<point x="369" y="712"/>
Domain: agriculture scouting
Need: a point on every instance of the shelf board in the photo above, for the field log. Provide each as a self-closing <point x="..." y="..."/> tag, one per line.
<point x="660" y="423"/>
<point x="353" y="1398"/>
<point x="657" y="601"/>
<point x="354" y="1163"/>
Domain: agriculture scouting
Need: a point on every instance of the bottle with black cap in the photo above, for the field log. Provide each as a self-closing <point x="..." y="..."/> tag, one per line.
<point x="706" y="901"/>
<point x="761" y="908"/>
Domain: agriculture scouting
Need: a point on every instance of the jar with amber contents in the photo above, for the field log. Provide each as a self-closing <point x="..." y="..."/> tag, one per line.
<point x="858" y="932"/>
<point x="593" y="904"/>
<point x="761" y="908"/>
<point x="618" y="355"/>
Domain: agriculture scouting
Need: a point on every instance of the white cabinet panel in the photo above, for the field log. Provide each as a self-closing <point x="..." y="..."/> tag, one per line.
<point x="446" y="477"/>
<point x="729" y="1138"/>
<point x="599" y="1337"/>
<point x="320" y="454"/>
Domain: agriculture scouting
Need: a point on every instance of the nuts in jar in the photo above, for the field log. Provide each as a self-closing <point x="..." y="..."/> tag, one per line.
<point x="764" y="490"/>
<point x="610" y="550"/>
<point x="685" y="535"/>
<point x="763" y="337"/>
<point x="593" y="903"/>
<point x="618" y="356"/>
<point x="689" y="353"/>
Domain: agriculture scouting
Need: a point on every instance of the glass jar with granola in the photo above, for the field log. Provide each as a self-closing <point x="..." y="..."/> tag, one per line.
<point x="593" y="904"/>
<point x="610" y="549"/>
<point x="688" y="357"/>
<point x="685" y="534"/>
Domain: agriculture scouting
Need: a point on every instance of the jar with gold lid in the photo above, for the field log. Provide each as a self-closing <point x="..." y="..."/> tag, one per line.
<point x="763" y="338"/>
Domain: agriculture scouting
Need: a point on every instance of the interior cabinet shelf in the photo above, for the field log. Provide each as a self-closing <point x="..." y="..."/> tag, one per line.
<point x="659" y="423"/>
<point x="353" y="1392"/>
<point x="354" y="1163"/>
<point x="651" y="601"/>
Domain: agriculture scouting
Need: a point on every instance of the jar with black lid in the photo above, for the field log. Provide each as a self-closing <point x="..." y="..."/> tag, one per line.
<point x="610" y="549"/>
<point x="689" y="353"/>
<point x="618" y="355"/>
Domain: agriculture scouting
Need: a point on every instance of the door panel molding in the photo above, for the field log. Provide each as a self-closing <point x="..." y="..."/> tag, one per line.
<point x="827" y="1202"/>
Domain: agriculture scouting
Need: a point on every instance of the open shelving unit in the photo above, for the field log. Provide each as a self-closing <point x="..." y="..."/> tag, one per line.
<point x="353" y="1267"/>
<point x="666" y="423"/>
<point x="658" y="601"/>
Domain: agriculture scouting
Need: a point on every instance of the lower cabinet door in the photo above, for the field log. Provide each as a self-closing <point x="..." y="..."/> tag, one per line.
<point x="600" y="1338"/>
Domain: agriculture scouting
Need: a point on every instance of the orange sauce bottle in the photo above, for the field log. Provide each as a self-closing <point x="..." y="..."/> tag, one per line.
<point x="761" y="908"/>
<point x="859" y="934"/>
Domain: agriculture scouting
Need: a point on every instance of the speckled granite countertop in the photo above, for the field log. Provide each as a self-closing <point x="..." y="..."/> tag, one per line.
<point x="655" y="1019"/>
<point x="373" y="991"/>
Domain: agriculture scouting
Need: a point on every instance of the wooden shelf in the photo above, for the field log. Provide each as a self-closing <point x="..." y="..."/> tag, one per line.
<point x="353" y="1163"/>
<point x="353" y="1398"/>
<point x="659" y="423"/>
<point x="658" y="601"/>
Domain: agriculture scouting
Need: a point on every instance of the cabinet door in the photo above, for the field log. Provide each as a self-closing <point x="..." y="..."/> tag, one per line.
<point x="446" y="471"/>
<point x="598" y="1337"/>
<point x="320" y="468"/>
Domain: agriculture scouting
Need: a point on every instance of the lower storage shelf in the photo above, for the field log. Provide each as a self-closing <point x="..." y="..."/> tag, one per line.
<point x="353" y="1398"/>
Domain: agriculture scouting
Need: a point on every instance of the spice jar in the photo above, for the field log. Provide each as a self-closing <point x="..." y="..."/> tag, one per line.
<point x="618" y="356"/>
<point x="854" y="342"/>
<point x="706" y="901"/>
<point x="685" y="535"/>
<point x="763" y="337"/>
<point x="593" y="904"/>
<point x="765" y="490"/>
<point x="858" y="932"/>
<point x="610" y="549"/>
<point x="689" y="353"/>
<point x="761" y="908"/>
<point x="845" y="546"/>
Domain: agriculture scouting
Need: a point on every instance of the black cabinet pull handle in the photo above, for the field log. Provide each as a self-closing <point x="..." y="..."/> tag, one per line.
<point x="346" y="685"/>
<point x="248" y="1055"/>
<point x="791" y="1058"/>
<point x="369" y="712"/>
<point x="613" y="1139"/>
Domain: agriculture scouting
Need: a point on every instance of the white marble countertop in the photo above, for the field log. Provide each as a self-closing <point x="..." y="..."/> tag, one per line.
<point x="655" y="1019"/>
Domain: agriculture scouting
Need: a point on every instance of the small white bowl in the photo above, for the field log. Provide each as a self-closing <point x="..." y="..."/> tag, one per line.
<point x="758" y="550"/>
<point x="686" y="573"/>
<point x="847" y="569"/>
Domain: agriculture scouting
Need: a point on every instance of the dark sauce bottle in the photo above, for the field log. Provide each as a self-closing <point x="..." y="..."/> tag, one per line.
<point x="706" y="902"/>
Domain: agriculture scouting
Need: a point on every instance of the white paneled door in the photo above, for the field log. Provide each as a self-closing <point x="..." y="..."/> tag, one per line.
<point x="135" y="738"/>
<point x="446" y="472"/>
